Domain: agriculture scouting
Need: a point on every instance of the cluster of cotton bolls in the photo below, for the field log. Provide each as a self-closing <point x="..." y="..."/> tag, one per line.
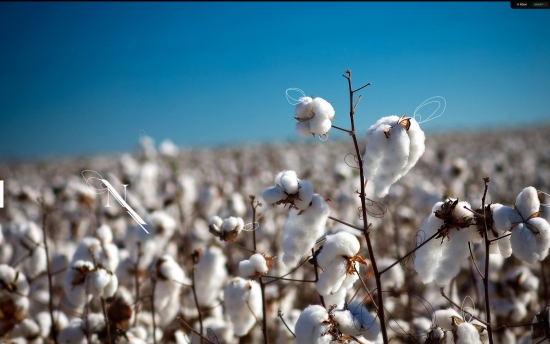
<point x="113" y="282"/>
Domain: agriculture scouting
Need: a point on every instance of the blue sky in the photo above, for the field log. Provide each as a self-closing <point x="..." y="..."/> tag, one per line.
<point x="85" y="77"/>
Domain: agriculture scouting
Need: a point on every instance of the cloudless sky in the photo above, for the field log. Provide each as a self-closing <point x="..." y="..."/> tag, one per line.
<point x="85" y="77"/>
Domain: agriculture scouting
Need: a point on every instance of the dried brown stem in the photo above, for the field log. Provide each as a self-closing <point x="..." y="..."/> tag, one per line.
<point x="410" y="252"/>
<point x="474" y="261"/>
<point x="154" y="283"/>
<point x="49" y="270"/>
<point x="486" y="278"/>
<point x="195" y="331"/>
<point x="346" y="223"/>
<point x="195" y="262"/>
<point x="136" y="281"/>
<point x="104" y="307"/>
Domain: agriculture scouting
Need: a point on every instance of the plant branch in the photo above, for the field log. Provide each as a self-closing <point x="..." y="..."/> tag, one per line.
<point x="195" y="331"/>
<point x="462" y="309"/>
<point x="154" y="283"/>
<point x="345" y="223"/>
<point x="49" y="270"/>
<point x="474" y="261"/>
<point x="410" y="252"/>
<point x="341" y="129"/>
<point x="486" y="278"/>
<point x="280" y="315"/>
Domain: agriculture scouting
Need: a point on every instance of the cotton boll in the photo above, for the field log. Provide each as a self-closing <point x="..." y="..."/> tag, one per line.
<point x="417" y="147"/>
<point x="336" y="245"/>
<point x="289" y="182"/>
<point x="362" y="322"/>
<point x="543" y="237"/>
<point x="322" y="108"/>
<point x="337" y="298"/>
<point x="304" y="109"/>
<point x="302" y="231"/>
<point x="332" y="277"/>
<point x="16" y="282"/>
<point x="377" y="144"/>
<point x="524" y="244"/>
<point x="528" y="202"/>
<point x="256" y="264"/>
<point x="72" y="334"/>
<point x="241" y="296"/>
<point x="393" y="161"/>
<point x="466" y="333"/>
<point x="310" y="326"/>
<point x="443" y="318"/>
<point x="273" y="195"/>
<point x="44" y="321"/>
<point x="319" y="126"/>
<point x="28" y="328"/>
<point x="97" y="281"/>
<point x="302" y="128"/>
<point x="74" y="283"/>
<point x="210" y="275"/>
<point x="305" y="195"/>
<point x="233" y="224"/>
<point x="427" y="256"/>
<point x="168" y="148"/>
<point x="503" y="217"/>
<point x="163" y="224"/>
<point x="220" y="328"/>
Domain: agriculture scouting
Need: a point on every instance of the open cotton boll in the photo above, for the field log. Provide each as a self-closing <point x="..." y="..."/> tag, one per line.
<point x="302" y="231"/>
<point x="242" y="298"/>
<point x="377" y="144"/>
<point x="417" y="145"/>
<point x="18" y="287"/>
<point x="320" y="126"/>
<point x="357" y="321"/>
<point x="304" y="109"/>
<point x="302" y="128"/>
<point x="528" y="202"/>
<point x="305" y="195"/>
<point x="543" y="237"/>
<point x="466" y="333"/>
<point x="332" y="277"/>
<point x="311" y="325"/>
<point x="74" y="283"/>
<point x="73" y="333"/>
<point x="322" y="108"/>
<point x="210" y="276"/>
<point x="220" y="328"/>
<point x="443" y="318"/>
<point x="338" y="298"/>
<point x="163" y="224"/>
<point x="233" y="224"/>
<point x="337" y="245"/>
<point x="524" y="244"/>
<point x="255" y="264"/>
<point x="101" y="283"/>
<point x="168" y="148"/>
<point x="289" y="182"/>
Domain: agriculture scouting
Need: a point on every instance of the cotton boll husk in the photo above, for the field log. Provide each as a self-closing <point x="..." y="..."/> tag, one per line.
<point x="304" y="109"/>
<point x="322" y="109"/>
<point x="467" y="334"/>
<point x="417" y="147"/>
<point x="273" y="195"/>
<point x="210" y="275"/>
<point x="305" y="195"/>
<point x="302" y="128"/>
<point x="393" y="161"/>
<point x="237" y="294"/>
<point x="332" y="277"/>
<point x="302" y="231"/>
<point x="524" y="244"/>
<point x="336" y="245"/>
<point x="528" y="202"/>
<point x="442" y="318"/>
<point x="377" y="144"/>
<point x="309" y="325"/>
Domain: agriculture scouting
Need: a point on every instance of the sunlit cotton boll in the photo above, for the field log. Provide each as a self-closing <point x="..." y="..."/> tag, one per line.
<point x="210" y="276"/>
<point x="311" y="326"/>
<point x="314" y="116"/>
<point x="242" y="298"/>
<point x="394" y="146"/>
<point x="289" y="189"/>
<point x="255" y="264"/>
<point x="302" y="231"/>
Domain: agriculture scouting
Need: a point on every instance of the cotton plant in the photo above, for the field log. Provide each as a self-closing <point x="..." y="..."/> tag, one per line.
<point x="338" y="259"/>
<point x="243" y="303"/>
<point x="302" y="229"/>
<point x="394" y="146"/>
<point x="227" y="229"/>
<point x="530" y="239"/>
<point x="99" y="248"/>
<point x="440" y="258"/>
<point x="289" y="190"/>
<point x="256" y="266"/>
<point x="314" y="116"/>
<point x="85" y="280"/>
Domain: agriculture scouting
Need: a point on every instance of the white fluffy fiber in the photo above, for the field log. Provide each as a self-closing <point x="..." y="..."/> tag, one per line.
<point x="466" y="333"/>
<point x="210" y="276"/>
<point x="287" y="183"/>
<point x="239" y="295"/>
<point x="310" y="328"/>
<point x="76" y="292"/>
<point x="440" y="261"/>
<point x="314" y="116"/>
<point x="386" y="160"/>
<point x="255" y="264"/>
<point x="338" y="248"/>
<point x="357" y="321"/>
<point x="167" y="288"/>
<point x="302" y="231"/>
<point x="9" y="276"/>
<point x="530" y="239"/>
<point x="443" y="318"/>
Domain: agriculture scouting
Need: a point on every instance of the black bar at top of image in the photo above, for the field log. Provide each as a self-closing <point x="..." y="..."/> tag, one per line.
<point x="529" y="4"/>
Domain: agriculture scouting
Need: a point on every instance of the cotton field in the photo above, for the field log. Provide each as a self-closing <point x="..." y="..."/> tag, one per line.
<point x="268" y="243"/>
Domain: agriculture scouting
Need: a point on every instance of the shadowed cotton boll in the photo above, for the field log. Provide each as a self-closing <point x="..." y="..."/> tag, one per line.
<point x="74" y="284"/>
<point x="314" y="116"/>
<point x="302" y="231"/>
<point x="311" y="326"/>
<point x="15" y="281"/>
<point x="220" y="328"/>
<point x="441" y="257"/>
<point x="394" y="146"/>
<point x="357" y="321"/>
<point x="242" y="297"/>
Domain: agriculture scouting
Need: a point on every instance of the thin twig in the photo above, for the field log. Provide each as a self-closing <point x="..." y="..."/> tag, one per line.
<point x="366" y="288"/>
<point x="242" y="247"/>
<point x="280" y="315"/>
<point x="357" y="102"/>
<point x="486" y="278"/>
<point x="49" y="270"/>
<point x="410" y="252"/>
<point x="500" y="237"/>
<point x="362" y="195"/>
<point x="104" y="307"/>
<point x="341" y="129"/>
<point x="195" y="331"/>
<point x="154" y="283"/>
<point x="462" y="309"/>
<point x="345" y="223"/>
<point x="474" y="261"/>
<point x="136" y="281"/>
<point x="288" y="279"/>
<point x="288" y="273"/>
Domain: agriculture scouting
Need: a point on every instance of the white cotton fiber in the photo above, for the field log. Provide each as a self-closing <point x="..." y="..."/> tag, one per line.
<point x="72" y="334"/>
<point x="210" y="276"/>
<point x="302" y="231"/>
<point x="443" y="318"/>
<point x="364" y="324"/>
<point x="524" y="244"/>
<point x="304" y="109"/>
<point x="273" y="195"/>
<point x="466" y="333"/>
<point x="319" y="126"/>
<point x="305" y="194"/>
<point x="377" y="143"/>
<point x="289" y="182"/>
<point x="332" y="277"/>
<point x="393" y="161"/>
<point x="417" y="147"/>
<point x="310" y="327"/>
<point x="255" y="264"/>
<point x="242" y="297"/>
<point x="528" y="202"/>
<point x="303" y="129"/>
<point x="322" y="108"/>
<point x="336" y="245"/>
<point x="543" y="238"/>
